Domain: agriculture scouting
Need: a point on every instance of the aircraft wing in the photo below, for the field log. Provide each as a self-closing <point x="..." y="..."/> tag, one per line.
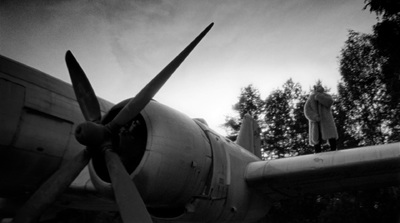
<point x="374" y="166"/>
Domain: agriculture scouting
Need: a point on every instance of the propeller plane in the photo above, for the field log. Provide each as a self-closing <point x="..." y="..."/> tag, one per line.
<point x="62" y="147"/>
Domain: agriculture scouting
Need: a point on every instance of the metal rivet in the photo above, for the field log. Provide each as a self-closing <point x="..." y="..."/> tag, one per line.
<point x="233" y="209"/>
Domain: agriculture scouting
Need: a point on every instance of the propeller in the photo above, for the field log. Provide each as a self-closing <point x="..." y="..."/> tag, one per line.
<point x="137" y="103"/>
<point x="97" y="139"/>
<point x="83" y="90"/>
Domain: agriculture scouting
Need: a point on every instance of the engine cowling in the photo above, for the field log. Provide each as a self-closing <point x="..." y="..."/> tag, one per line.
<point x="182" y="169"/>
<point x="167" y="155"/>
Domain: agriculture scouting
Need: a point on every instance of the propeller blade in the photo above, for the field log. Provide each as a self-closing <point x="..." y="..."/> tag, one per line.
<point x="83" y="90"/>
<point x="130" y="203"/>
<point x="137" y="103"/>
<point x="49" y="191"/>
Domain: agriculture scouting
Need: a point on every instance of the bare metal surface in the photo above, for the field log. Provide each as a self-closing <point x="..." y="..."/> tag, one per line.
<point x="324" y="172"/>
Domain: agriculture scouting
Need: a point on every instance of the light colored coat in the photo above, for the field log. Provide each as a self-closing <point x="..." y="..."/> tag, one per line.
<point x="318" y="112"/>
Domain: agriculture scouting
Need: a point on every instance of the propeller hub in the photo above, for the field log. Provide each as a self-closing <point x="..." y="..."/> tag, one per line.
<point x="91" y="134"/>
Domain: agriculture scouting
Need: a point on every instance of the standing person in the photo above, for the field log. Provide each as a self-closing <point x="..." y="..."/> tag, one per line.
<point x="320" y="119"/>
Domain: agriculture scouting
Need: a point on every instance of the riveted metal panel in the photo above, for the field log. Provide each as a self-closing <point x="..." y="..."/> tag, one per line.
<point x="12" y="98"/>
<point x="43" y="133"/>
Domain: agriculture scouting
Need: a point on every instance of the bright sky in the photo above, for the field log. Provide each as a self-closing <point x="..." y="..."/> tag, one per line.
<point x="123" y="44"/>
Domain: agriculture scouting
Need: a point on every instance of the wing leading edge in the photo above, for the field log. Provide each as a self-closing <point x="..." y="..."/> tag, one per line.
<point x="326" y="172"/>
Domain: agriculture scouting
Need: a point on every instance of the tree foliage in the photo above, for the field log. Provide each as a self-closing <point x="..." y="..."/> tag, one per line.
<point x="374" y="205"/>
<point x="362" y="95"/>
<point x="386" y="40"/>
<point x="385" y="8"/>
<point x="250" y="102"/>
<point x="286" y="127"/>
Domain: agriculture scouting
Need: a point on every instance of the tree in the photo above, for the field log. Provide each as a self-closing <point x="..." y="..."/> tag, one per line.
<point x="345" y="136"/>
<point x="385" y="8"/>
<point x="362" y="92"/>
<point x="286" y="127"/>
<point x="250" y="102"/>
<point x="386" y="40"/>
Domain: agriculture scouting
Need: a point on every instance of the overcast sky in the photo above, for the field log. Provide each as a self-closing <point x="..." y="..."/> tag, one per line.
<point x="122" y="44"/>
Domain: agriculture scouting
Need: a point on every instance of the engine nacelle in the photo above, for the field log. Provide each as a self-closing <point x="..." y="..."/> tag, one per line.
<point x="170" y="158"/>
<point x="183" y="169"/>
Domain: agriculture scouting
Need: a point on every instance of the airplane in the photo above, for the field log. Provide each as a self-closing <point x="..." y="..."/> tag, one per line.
<point x="63" y="148"/>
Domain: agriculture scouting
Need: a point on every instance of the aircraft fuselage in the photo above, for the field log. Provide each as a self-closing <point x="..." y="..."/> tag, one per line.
<point x="183" y="170"/>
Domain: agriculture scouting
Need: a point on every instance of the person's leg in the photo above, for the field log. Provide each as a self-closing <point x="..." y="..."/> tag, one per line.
<point x="332" y="144"/>
<point x="317" y="148"/>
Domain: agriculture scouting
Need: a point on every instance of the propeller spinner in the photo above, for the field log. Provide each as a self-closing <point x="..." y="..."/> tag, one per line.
<point x="97" y="139"/>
